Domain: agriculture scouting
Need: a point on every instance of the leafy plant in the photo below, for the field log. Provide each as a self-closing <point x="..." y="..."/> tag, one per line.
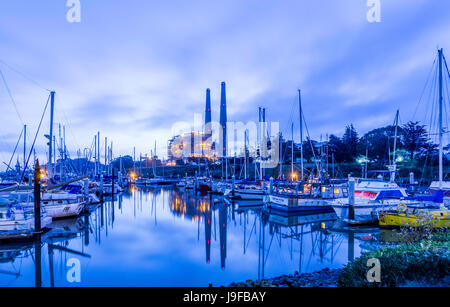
<point x="426" y="260"/>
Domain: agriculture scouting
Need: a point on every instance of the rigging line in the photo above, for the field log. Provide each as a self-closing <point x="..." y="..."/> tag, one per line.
<point x="433" y="102"/>
<point x="11" y="97"/>
<point x="24" y="76"/>
<point x="287" y="127"/>
<point x="430" y="97"/>
<point x="9" y="164"/>
<point x="434" y="105"/>
<point x="424" y="88"/>
<point x="88" y="159"/>
<point x="436" y="108"/>
<point x="310" y="142"/>
<point x="4" y="156"/>
<point x="445" y="62"/>
<point x="35" y="137"/>
<point x="446" y="89"/>
<point x="69" y="126"/>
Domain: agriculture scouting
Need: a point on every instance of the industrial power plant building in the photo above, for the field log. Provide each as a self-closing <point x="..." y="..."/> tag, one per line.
<point x="199" y="144"/>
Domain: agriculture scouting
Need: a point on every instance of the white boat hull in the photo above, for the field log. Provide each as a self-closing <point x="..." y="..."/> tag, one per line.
<point x="244" y="195"/>
<point x="297" y="202"/>
<point x="19" y="222"/>
<point x="363" y="212"/>
<point x="64" y="210"/>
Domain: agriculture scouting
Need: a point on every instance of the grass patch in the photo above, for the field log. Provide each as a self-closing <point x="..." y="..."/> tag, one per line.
<point x="426" y="260"/>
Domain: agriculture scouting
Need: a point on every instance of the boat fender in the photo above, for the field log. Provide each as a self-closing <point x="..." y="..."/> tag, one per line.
<point x="402" y="207"/>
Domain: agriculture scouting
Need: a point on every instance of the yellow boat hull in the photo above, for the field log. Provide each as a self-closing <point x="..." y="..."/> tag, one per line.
<point x="433" y="219"/>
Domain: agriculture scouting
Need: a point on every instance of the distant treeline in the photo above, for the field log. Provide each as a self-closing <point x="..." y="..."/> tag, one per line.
<point x="413" y="143"/>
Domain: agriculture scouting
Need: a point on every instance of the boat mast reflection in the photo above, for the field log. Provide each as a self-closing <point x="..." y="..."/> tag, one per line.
<point x="305" y="240"/>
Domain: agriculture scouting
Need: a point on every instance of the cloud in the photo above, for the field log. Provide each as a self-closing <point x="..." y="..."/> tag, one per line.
<point x="131" y="69"/>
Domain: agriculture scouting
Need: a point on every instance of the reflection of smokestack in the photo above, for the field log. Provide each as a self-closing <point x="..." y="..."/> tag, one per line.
<point x="208" y="113"/>
<point x="208" y="216"/>
<point x="223" y="216"/>
<point x="223" y="118"/>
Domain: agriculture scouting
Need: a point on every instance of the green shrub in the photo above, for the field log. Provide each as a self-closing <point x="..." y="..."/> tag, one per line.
<point x="426" y="260"/>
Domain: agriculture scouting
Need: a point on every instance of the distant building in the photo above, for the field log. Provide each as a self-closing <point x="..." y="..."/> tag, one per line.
<point x="199" y="144"/>
<point x="191" y="145"/>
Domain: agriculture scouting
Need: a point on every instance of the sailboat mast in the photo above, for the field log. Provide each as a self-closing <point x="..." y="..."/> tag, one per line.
<point x="441" y="131"/>
<point x="98" y="152"/>
<point x="301" y="132"/>
<point x="395" y="136"/>
<point x="154" y="162"/>
<point x="281" y="157"/>
<point x="393" y="167"/>
<point x="50" y="149"/>
<point x="24" y="146"/>
<point x="245" y="154"/>
<point x="106" y="154"/>
<point x="95" y="155"/>
<point x="60" y="151"/>
<point x="292" y="151"/>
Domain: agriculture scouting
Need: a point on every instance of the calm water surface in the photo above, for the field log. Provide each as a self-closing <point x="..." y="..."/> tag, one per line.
<point x="164" y="237"/>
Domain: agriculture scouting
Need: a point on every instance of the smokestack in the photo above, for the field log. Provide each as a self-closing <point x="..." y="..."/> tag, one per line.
<point x="208" y="113"/>
<point x="223" y="118"/>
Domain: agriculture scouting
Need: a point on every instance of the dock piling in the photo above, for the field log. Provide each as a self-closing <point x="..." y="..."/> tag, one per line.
<point x="86" y="187"/>
<point x="102" y="188"/>
<point x="112" y="186"/>
<point x="37" y="198"/>
<point x="351" y="198"/>
<point x="196" y="182"/>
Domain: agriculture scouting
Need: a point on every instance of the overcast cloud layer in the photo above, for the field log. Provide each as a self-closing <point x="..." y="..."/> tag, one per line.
<point x="132" y="68"/>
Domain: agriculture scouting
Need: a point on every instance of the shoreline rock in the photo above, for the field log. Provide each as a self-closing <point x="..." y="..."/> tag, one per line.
<point x="323" y="278"/>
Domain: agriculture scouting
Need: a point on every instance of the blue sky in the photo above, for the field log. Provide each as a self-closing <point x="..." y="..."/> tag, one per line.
<point x="132" y="68"/>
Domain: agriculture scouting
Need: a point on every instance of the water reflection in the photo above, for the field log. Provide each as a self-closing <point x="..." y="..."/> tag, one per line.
<point x="150" y="237"/>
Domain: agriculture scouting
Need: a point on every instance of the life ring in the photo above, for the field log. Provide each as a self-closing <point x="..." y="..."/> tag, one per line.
<point x="402" y="207"/>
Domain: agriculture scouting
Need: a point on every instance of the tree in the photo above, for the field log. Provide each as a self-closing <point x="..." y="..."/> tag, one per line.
<point x="378" y="142"/>
<point x="308" y="147"/>
<point x="350" y="142"/>
<point x="127" y="162"/>
<point x="415" y="138"/>
<point x="429" y="151"/>
<point x="336" y="148"/>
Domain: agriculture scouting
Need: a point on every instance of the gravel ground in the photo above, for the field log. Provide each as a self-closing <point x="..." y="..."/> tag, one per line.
<point x="323" y="278"/>
<point x="445" y="282"/>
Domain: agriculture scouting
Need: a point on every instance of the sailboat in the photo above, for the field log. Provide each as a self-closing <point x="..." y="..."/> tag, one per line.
<point x="300" y="196"/>
<point x="417" y="217"/>
<point x="445" y="187"/>
<point x="373" y="196"/>
<point x="441" y="184"/>
<point x="17" y="221"/>
<point x="57" y="205"/>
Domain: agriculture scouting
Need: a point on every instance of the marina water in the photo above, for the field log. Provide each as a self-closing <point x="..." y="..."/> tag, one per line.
<point x="167" y="237"/>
